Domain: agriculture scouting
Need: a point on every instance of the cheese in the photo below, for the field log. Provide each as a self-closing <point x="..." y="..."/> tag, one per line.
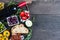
<point x="28" y="23"/>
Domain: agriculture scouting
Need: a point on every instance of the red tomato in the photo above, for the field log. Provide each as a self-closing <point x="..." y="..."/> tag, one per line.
<point x="24" y="18"/>
<point x="27" y="15"/>
<point x="22" y="14"/>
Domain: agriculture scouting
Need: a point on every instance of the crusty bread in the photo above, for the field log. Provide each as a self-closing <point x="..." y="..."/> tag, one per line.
<point x="19" y="29"/>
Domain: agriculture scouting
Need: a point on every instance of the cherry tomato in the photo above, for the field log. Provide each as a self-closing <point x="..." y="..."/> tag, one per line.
<point x="27" y="15"/>
<point x="22" y="14"/>
<point x="24" y="18"/>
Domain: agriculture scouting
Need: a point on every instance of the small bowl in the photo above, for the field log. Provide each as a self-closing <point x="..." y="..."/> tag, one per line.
<point x="12" y="20"/>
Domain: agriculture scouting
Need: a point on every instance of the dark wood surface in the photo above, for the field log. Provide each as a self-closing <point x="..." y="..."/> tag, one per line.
<point x="46" y="27"/>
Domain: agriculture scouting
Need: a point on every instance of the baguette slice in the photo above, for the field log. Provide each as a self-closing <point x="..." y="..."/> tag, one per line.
<point x="19" y="29"/>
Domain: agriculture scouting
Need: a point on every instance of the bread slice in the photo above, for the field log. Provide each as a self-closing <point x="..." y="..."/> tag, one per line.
<point x="19" y="29"/>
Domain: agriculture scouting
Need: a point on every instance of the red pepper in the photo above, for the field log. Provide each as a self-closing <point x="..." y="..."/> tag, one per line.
<point x="22" y="4"/>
